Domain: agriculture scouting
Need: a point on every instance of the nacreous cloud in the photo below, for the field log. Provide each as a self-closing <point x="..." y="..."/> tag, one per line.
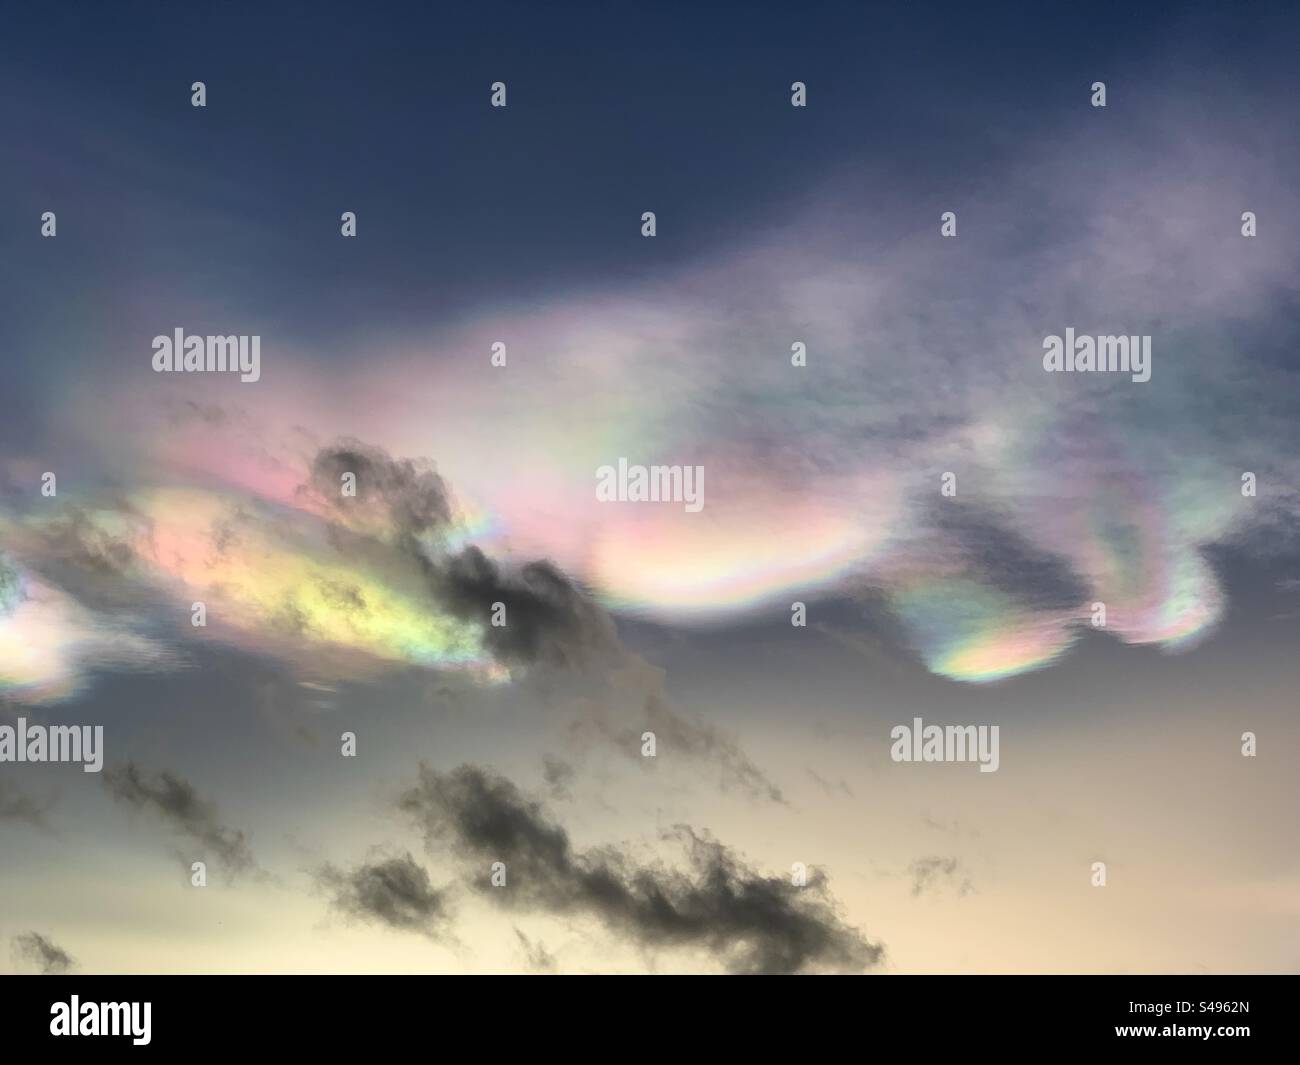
<point x="924" y="371"/>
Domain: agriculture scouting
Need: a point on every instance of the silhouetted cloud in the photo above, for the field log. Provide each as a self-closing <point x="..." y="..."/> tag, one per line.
<point x="539" y="959"/>
<point x="393" y="891"/>
<point x="403" y="501"/>
<point x="180" y="807"/>
<point x="638" y="702"/>
<point x="550" y="621"/>
<point x="558" y="774"/>
<point x="748" y="922"/>
<point x="929" y="872"/>
<point x="16" y="805"/>
<point x="32" y="948"/>
<point x="548" y="618"/>
<point x="408" y="494"/>
<point x="839" y="787"/>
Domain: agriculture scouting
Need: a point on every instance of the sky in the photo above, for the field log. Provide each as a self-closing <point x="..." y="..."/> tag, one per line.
<point x="366" y="639"/>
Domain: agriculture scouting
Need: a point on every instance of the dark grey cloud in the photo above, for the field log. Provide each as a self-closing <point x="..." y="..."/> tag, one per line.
<point x="182" y="809"/>
<point x="954" y="825"/>
<point x="409" y="493"/>
<point x="554" y="623"/>
<point x="748" y="922"/>
<point x="550" y="620"/>
<point x="558" y="774"/>
<point x="638" y="702"/>
<point x="537" y="957"/>
<point x="40" y="952"/>
<point x="393" y="891"/>
<point x="16" y="805"/>
<point x="930" y="872"/>
<point x="839" y="787"/>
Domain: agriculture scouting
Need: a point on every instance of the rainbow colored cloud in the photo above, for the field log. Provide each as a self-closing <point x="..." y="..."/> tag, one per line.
<point x="823" y="479"/>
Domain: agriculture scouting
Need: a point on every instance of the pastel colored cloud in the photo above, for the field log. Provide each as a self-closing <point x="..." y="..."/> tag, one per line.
<point x="823" y="480"/>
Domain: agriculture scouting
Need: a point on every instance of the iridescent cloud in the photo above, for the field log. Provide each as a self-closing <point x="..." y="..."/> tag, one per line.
<point x="50" y="644"/>
<point x="822" y="479"/>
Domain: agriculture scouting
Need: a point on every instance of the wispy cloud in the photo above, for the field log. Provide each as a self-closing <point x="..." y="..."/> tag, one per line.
<point x="746" y="921"/>
<point x="175" y="802"/>
<point x="42" y="954"/>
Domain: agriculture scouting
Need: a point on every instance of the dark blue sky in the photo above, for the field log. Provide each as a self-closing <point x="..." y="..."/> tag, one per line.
<point x="613" y="109"/>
